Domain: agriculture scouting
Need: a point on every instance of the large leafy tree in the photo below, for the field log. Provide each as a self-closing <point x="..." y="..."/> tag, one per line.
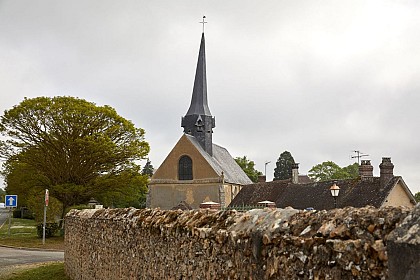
<point x="248" y="166"/>
<point x="329" y="170"/>
<point x="283" y="169"/>
<point x="70" y="146"/>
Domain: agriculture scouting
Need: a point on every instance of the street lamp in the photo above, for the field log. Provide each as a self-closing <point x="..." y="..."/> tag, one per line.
<point x="265" y="167"/>
<point x="334" y="192"/>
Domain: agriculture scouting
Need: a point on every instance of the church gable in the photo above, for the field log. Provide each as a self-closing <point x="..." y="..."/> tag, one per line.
<point x="184" y="149"/>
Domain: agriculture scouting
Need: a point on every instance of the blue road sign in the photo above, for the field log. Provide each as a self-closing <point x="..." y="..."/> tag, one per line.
<point x="10" y="200"/>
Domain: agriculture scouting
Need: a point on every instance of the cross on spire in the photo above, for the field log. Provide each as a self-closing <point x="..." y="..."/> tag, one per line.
<point x="203" y="22"/>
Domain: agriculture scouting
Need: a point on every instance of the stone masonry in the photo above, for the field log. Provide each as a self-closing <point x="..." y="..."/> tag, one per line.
<point x="349" y="243"/>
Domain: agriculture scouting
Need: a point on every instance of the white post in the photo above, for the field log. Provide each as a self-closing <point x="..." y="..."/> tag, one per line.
<point x="46" y="199"/>
<point x="10" y="219"/>
<point x="43" y="226"/>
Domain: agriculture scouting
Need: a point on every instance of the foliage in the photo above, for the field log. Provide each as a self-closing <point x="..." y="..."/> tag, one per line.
<point x="417" y="196"/>
<point x="50" y="229"/>
<point x="20" y="179"/>
<point x="69" y="146"/>
<point x="148" y="169"/>
<point x="352" y="170"/>
<point x="23" y="213"/>
<point x="127" y="190"/>
<point x="283" y="169"/>
<point x="248" y="166"/>
<point x="2" y="194"/>
<point x="36" y="203"/>
<point x="329" y="170"/>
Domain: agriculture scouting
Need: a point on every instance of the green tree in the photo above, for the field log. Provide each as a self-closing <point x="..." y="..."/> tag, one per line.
<point x="23" y="181"/>
<point x="35" y="203"/>
<point x="248" y="166"/>
<point x="352" y="170"/>
<point x="283" y="169"/>
<point x="127" y="190"/>
<point x="2" y="194"/>
<point x="70" y="145"/>
<point x="329" y="170"/>
<point x="417" y="196"/>
<point x="148" y="169"/>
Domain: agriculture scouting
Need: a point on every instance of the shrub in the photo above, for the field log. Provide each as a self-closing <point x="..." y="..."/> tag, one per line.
<point x="50" y="229"/>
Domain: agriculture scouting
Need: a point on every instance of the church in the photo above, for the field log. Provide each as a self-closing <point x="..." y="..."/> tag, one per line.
<point x="196" y="170"/>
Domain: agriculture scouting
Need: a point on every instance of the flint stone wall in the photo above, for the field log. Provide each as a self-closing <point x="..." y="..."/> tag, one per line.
<point x="347" y="243"/>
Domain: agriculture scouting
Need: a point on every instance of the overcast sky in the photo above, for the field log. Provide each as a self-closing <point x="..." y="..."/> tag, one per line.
<point x="317" y="78"/>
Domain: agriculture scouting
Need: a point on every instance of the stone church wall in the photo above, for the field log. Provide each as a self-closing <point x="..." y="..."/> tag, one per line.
<point x="128" y="243"/>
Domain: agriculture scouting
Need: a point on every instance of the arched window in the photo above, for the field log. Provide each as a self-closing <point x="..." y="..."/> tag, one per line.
<point x="185" y="168"/>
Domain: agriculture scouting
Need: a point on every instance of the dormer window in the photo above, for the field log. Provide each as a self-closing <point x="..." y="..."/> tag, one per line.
<point x="185" y="168"/>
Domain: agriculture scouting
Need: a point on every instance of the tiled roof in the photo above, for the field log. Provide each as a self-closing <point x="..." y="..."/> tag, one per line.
<point x="182" y="206"/>
<point x="222" y="161"/>
<point x="353" y="192"/>
<point x="304" y="179"/>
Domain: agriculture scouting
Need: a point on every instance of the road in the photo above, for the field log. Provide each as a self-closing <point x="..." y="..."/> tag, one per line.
<point x="4" y="215"/>
<point x="11" y="259"/>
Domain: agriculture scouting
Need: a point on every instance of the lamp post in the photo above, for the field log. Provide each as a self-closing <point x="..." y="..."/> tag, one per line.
<point x="334" y="192"/>
<point x="265" y="168"/>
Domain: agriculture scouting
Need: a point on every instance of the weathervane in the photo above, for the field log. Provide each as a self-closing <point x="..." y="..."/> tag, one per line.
<point x="203" y="22"/>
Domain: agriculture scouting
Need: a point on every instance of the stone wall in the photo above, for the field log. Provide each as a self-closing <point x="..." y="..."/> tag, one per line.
<point x="347" y="243"/>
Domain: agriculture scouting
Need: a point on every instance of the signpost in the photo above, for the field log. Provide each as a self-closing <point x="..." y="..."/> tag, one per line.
<point x="11" y="202"/>
<point x="47" y="198"/>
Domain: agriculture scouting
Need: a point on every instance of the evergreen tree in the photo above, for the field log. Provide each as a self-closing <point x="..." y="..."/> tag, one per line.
<point x="417" y="196"/>
<point x="148" y="169"/>
<point x="284" y="165"/>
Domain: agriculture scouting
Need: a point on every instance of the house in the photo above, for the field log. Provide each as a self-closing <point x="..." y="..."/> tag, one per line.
<point x="196" y="170"/>
<point x="384" y="190"/>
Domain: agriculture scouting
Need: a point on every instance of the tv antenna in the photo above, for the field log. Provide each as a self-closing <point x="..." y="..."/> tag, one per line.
<point x="358" y="155"/>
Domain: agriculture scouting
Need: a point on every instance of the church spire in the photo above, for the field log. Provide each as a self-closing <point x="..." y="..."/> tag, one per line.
<point x="199" y="103"/>
<point x="198" y="121"/>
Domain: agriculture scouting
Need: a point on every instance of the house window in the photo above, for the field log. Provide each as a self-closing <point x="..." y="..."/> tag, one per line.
<point x="185" y="168"/>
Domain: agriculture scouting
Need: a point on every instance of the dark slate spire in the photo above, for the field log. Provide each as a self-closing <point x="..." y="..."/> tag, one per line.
<point x="199" y="105"/>
<point x="198" y="121"/>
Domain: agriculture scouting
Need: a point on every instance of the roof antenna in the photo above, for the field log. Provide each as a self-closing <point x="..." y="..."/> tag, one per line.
<point x="203" y="22"/>
<point x="358" y="155"/>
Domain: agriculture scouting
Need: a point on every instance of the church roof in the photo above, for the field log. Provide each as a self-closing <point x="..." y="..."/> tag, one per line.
<point x="199" y="105"/>
<point x="353" y="192"/>
<point x="222" y="161"/>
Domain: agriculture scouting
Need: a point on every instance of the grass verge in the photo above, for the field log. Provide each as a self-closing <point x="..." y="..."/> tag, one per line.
<point x="53" y="271"/>
<point x="23" y="234"/>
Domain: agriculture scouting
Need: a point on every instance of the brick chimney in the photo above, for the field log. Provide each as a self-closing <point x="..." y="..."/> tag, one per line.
<point x="261" y="179"/>
<point x="366" y="169"/>
<point x="386" y="171"/>
<point x="295" y="173"/>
